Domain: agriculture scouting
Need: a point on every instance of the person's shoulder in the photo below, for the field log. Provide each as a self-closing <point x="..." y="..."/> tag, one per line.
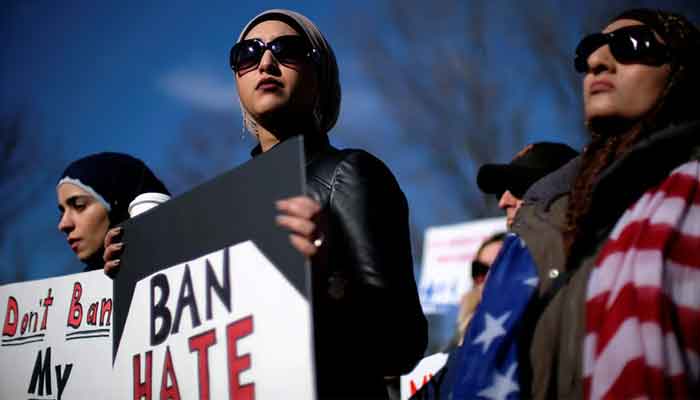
<point x="555" y="184"/>
<point x="348" y="167"/>
<point x="362" y="164"/>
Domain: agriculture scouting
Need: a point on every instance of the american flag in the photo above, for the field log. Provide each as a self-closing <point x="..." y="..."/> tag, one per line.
<point x="487" y="362"/>
<point x="643" y="299"/>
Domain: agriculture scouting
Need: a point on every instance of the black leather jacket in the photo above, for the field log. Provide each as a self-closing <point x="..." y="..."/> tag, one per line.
<point x="368" y="321"/>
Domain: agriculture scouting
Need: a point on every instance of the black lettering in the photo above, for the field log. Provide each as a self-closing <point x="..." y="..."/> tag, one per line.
<point x="41" y="374"/>
<point x="62" y="379"/>
<point x="223" y="292"/>
<point x="186" y="300"/>
<point x="160" y="310"/>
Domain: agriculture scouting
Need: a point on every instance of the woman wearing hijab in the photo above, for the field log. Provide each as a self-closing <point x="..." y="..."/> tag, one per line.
<point x="368" y="323"/>
<point x="94" y="194"/>
<point x="624" y="314"/>
<point x="367" y="318"/>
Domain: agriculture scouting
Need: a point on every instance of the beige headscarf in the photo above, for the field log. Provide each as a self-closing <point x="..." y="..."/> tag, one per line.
<point x="328" y="104"/>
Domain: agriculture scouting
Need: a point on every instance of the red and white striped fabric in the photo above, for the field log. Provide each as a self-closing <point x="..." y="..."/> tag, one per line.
<point x="643" y="298"/>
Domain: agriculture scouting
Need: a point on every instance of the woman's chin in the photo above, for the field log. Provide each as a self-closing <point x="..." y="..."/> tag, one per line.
<point x="601" y="107"/>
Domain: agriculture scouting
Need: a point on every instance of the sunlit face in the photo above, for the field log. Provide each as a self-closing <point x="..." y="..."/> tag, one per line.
<point x="272" y="89"/>
<point x="84" y="220"/>
<point x="510" y="204"/>
<point x="621" y="91"/>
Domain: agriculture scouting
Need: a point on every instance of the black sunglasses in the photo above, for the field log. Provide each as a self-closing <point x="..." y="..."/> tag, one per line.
<point x="288" y="50"/>
<point x="479" y="269"/>
<point x="629" y="45"/>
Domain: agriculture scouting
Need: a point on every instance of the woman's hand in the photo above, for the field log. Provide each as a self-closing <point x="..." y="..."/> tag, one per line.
<point x="301" y="216"/>
<point x="113" y="249"/>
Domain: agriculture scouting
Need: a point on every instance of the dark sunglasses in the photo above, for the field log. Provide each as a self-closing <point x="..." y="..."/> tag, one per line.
<point x="629" y="45"/>
<point x="288" y="50"/>
<point x="479" y="269"/>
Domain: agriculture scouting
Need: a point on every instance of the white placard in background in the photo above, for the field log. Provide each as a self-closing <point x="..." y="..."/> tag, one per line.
<point x="447" y="255"/>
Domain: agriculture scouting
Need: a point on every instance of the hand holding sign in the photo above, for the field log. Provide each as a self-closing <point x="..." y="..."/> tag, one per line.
<point x="113" y="249"/>
<point x="301" y="215"/>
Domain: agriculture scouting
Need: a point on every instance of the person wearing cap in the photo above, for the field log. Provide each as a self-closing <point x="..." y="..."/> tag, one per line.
<point x="94" y="194"/>
<point x="352" y="224"/>
<point x="614" y="235"/>
<point x="470" y="367"/>
<point x="511" y="181"/>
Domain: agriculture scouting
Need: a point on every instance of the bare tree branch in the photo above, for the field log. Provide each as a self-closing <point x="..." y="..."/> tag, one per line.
<point x="209" y="144"/>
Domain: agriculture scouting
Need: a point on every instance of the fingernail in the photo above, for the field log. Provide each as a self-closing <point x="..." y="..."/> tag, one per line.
<point x="117" y="262"/>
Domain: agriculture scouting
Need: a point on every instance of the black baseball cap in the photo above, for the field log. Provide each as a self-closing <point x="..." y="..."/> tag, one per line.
<point x="531" y="164"/>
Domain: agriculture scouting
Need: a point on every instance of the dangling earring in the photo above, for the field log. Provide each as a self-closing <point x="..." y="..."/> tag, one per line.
<point x="249" y="125"/>
<point x="243" y="130"/>
<point x="252" y="126"/>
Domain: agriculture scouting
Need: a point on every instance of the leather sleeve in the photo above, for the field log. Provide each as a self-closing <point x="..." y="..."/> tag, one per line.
<point x="371" y="215"/>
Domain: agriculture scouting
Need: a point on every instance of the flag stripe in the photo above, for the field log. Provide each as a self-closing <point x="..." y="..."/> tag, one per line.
<point x="642" y="335"/>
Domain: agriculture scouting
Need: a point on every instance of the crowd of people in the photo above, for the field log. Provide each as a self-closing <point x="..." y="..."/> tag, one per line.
<point x="593" y="293"/>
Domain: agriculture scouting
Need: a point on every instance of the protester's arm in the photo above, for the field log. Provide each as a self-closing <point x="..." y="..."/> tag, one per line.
<point x="371" y="212"/>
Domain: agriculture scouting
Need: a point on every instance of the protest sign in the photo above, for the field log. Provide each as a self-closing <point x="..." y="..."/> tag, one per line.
<point x="225" y="325"/>
<point x="212" y="301"/>
<point x="421" y="374"/>
<point x="447" y="255"/>
<point x="56" y="338"/>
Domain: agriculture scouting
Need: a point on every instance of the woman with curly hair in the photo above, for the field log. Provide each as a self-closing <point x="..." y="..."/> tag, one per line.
<point x="622" y="315"/>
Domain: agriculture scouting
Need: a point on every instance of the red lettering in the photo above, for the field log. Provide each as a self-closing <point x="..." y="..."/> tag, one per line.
<point x="414" y="389"/>
<point x="106" y="309"/>
<point x="75" y="313"/>
<point x="169" y="391"/>
<point x="201" y="344"/>
<point x="92" y="314"/>
<point x="48" y="301"/>
<point x="9" y="328"/>
<point x="237" y="364"/>
<point x="142" y="388"/>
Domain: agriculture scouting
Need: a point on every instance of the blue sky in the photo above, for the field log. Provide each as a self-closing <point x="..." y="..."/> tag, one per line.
<point x="121" y="76"/>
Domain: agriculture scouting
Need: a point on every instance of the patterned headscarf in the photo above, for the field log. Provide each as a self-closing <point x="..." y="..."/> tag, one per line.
<point x="328" y="105"/>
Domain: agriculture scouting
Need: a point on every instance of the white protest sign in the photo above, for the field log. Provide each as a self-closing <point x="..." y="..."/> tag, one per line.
<point x="447" y="255"/>
<point x="421" y="374"/>
<point x="227" y="325"/>
<point x="56" y="338"/>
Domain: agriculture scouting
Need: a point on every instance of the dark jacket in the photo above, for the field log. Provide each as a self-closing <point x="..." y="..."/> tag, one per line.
<point x="368" y="322"/>
<point x="557" y="316"/>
